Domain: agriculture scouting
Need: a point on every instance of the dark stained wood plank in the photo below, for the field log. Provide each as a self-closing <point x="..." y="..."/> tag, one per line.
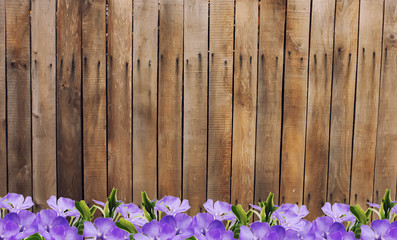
<point x="145" y="98"/>
<point x="170" y="98"/>
<point x="318" y="112"/>
<point x="386" y="147"/>
<point x="220" y="99"/>
<point x="18" y="96"/>
<point x="295" y="97"/>
<point x="43" y="101"/>
<point x="3" y="120"/>
<point x="94" y="99"/>
<point x="69" y="132"/>
<point x="342" y="107"/>
<point x="367" y="99"/>
<point x="195" y="103"/>
<point x="120" y="98"/>
<point x="244" y="114"/>
<point x="270" y="83"/>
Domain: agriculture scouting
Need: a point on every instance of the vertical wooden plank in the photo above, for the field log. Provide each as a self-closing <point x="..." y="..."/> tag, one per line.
<point x="43" y="101"/>
<point x="244" y="114"/>
<point x="367" y="97"/>
<point x="270" y="83"/>
<point x="18" y="96"/>
<point x="342" y="109"/>
<point x="295" y="97"/>
<point x="170" y="98"/>
<point x="94" y="98"/>
<point x="195" y="103"/>
<point x="120" y="98"/>
<point x="318" y="113"/>
<point x="386" y="147"/>
<point x="69" y="140"/>
<point x="145" y="98"/>
<point x="220" y="99"/>
<point x="3" y="120"/>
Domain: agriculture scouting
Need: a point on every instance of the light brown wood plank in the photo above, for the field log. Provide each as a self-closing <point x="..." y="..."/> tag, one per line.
<point x="170" y="98"/>
<point x="145" y="98"/>
<point x="195" y="103"/>
<point x="43" y="101"/>
<point x="295" y="97"/>
<point x="18" y="97"/>
<point x="220" y="99"/>
<point x="342" y="109"/>
<point x="367" y="99"/>
<point x="69" y="141"/>
<point x="270" y="83"/>
<point x="386" y="147"/>
<point x="120" y="98"/>
<point x="94" y="99"/>
<point x="318" y="112"/>
<point x="245" y="87"/>
<point x="3" y="119"/>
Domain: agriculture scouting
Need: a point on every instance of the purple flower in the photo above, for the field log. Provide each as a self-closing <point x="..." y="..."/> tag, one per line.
<point x="16" y="202"/>
<point x="220" y="210"/>
<point x="63" y="206"/>
<point x="258" y="231"/>
<point x="47" y="219"/>
<point x="64" y="233"/>
<point x="172" y="205"/>
<point x="339" y="212"/>
<point x="132" y="213"/>
<point x="8" y="230"/>
<point x="156" y="230"/>
<point x="380" y="229"/>
<point x="290" y="217"/>
<point x="326" y="228"/>
<point x="182" y="224"/>
<point x="104" y="228"/>
<point x="203" y="223"/>
<point x="25" y="220"/>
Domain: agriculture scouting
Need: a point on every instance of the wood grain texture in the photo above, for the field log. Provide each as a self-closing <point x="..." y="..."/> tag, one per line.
<point x="43" y="68"/>
<point x="244" y="114"/>
<point x="318" y="112"/>
<point x="18" y="97"/>
<point x="195" y="103"/>
<point x="220" y="99"/>
<point x="120" y="98"/>
<point x="69" y="130"/>
<point x="367" y="99"/>
<point x="3" y="103"/>
<point x="295" y="97"/>
<point x="94" y="98"/>
<point x="145" y="98"/>
<point x="270" y="83"/>
<point x="170" y="98"/>
<point x="342" y="109"/>
<point x="386" y="147"/>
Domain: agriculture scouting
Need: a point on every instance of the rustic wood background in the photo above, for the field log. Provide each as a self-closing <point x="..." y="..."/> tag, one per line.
<point x="220" y="99"/>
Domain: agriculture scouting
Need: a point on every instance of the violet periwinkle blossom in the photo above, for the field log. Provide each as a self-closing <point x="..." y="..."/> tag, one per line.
<point x="104" y="228"/>
<point x="182" y="224"/>
<point x="203" y="223"/>
<point x="8" y="230"/>
<point x="63" y="206"/>
<point x="64" y="233"/>
<point x="339" y="212"/>
<point x="220" y="210"/>
<point x="16" y="202"/>
<point x="326" y="228"/>
<point x="48" y="219"/>
<point x="132" y="213"/>
<point x="261" y="231"/>
<point x="155" y="230"/>
<point x="25" y="220"/>
<point x="172" y="205"/>
<point x="290" y="217"/>
<point x="379" y="230"/>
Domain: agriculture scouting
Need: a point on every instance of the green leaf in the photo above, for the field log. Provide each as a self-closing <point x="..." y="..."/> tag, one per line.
<point x="359" y="213"/>
<point x="35" y="236"/>
<point x="148" y="207"/>
<point x="191" y="238"/>
<point x="126" y="225"/>
<point x="83" y="209"/>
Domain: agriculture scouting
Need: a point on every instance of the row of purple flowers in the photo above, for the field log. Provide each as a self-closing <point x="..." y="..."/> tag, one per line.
<point x="166" y="219"/>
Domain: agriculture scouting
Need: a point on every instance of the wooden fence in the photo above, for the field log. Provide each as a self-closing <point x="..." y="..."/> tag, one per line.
<point x="191" y="98"/>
